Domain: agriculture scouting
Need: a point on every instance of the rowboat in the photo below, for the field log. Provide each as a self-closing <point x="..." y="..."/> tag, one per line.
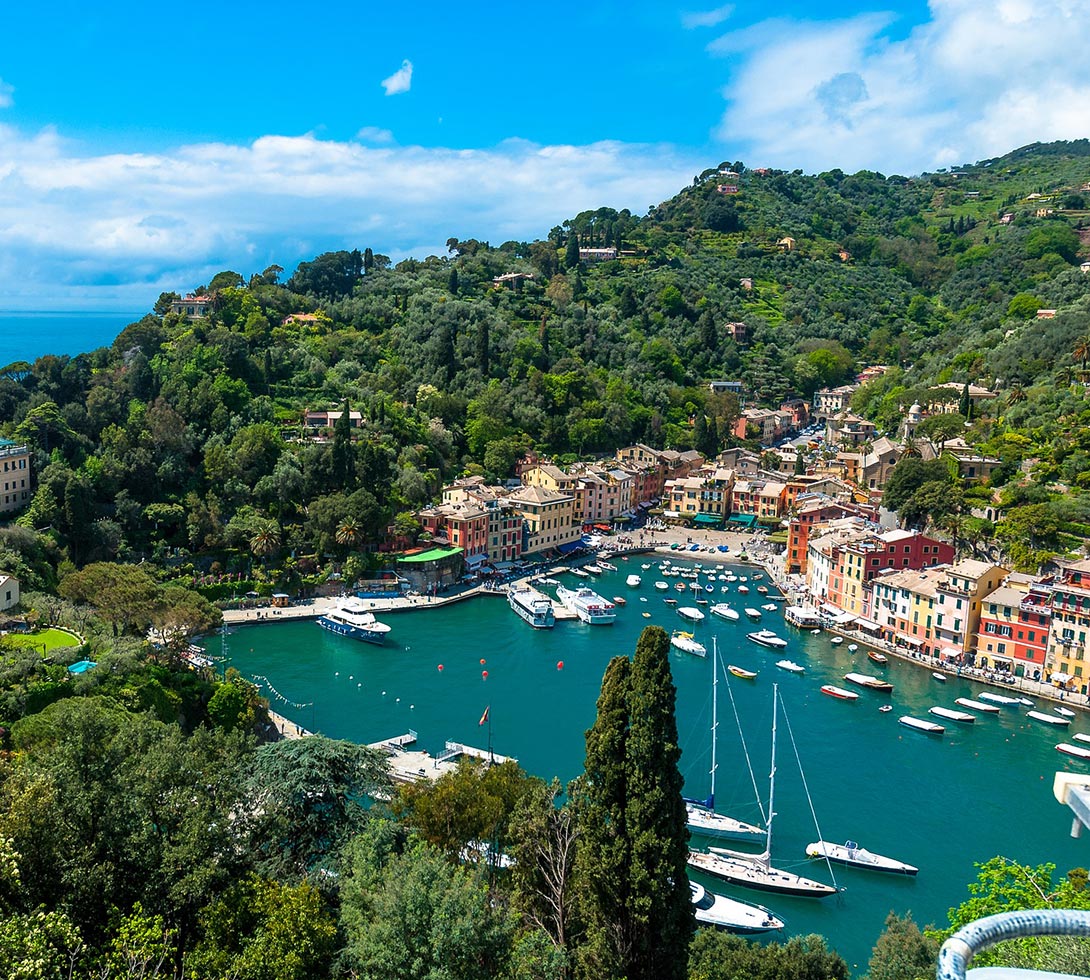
<point x="951" y="715"/>
<point x="838" y="692"/>
<point x="921" y="725"/>
<point x="746" y="675"/>
<point x="837" y="640"/>
<point x="878" y="658"/>
<point x="1076" y="750"/>
<point x="852" y="854"/>
<point x="1057" y="720"/>
<point x="939" y="677"/>
<point x="977" y="705"/>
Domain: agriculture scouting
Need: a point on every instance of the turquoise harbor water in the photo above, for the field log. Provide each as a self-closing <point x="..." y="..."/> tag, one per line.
<point x="25" y="336"/>
<point x="939" y="803"/>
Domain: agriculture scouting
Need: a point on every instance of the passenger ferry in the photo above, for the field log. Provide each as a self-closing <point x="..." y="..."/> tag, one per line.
<point x="533" y="607"/>
<point x="351" y="617"/>
<point x="588" y="605"/>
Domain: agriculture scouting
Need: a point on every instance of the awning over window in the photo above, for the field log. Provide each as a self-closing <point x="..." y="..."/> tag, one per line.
<point x="476" y="561"/>
<point x="866" y="624"/>
<point x="910" y="640"/>
<point x="951" y="652"/>
<point x="836" y="614"/>
<point x="569" y="547"/>
<point x="1059" y="678"/>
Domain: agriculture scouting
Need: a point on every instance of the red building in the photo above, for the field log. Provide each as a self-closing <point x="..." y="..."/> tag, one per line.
<point x="1013" y="631"/>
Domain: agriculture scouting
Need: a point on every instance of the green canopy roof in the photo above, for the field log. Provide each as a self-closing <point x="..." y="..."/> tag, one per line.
<point x="432" y="554"/>
<point x="746" y="520"/>
<point x="708" y="519"/>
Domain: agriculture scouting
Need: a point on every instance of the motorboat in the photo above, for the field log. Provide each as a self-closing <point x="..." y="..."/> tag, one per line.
<point x="723" y="611"/>
<point x="1027" y="702"/>
<point x="590" y="607"/>
<point x="700" y="815"/>
<point x="851" y="854"/>
<point x="754" y="614"/>
<point x="1076" y="750"/>
<point x="791" y="667"/>
<point x="1058" y="720"/>
<point x="886" y="707"/>
<point x="838" y="692"/>
<point x="686" y="644"/>
<point x="770" y="607"/>
<point x="1061" y="710"/>
<point x="1080" y="737"/>
<point x="866" y="680"/>
<point x="951" y="715"/>
<point x="878" y="658"/>
<point x="662" y="586"/>
<point x="593" y="569"/>
<point x="633" y="581"/>
<point x="941" y="678"/>
<point x="763" y="589"/>
<point x="921" y="725"/>
<point x="352" y="617"/>
<point x="670" y="602"/>
<point x="690" y="613"/>
<point x="730" y="914"/>
<point x="852" y="647"/>
<point x="741" y="672"/>
<point x="532" y="607"/>
<point x="578" y="573"/>
<point x="767" y="638"/>
<point x="743" y="589"/>
<point x="990" y="709"/>
<point x="606" y="566"/>
<point x="998" y="699"/>
<point x="837" y="640"/>
<point x="620" y="600"/>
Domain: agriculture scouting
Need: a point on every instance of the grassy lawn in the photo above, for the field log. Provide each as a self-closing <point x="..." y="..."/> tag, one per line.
<point x="50" y="638"/>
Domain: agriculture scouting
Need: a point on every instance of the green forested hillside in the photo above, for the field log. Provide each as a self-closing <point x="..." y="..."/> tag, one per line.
<point x="180" y="434"/>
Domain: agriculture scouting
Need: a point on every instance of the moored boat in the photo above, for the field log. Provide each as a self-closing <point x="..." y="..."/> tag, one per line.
<point x="767" y="638"/>
<point x="730" y="914"/>
<point x="662" y="586"/>
<point x="770" y="607"/>
<point x="991" y="709"/>
<point x="690" y="613"/>
<point x="620" y="600"/>
<point x="352" y="618"/>
<point x="837" y="640"/>
<point x="998" y="698"/>
<point x="532" y="607"/>
<point x="878" y="658"/>
<point x="1058" y="720"/>
<point x="1061" y="710"/>
<point x="1076" y="750"/>
<point x="741" y="672"/>
<point x="791" y="666"/>
<point x="590" y="607"/>
<point x="723" y="611"/>
<point x="686" y="644"/>
<point x="1080" y="737"/>
<point x="838" y="692"/>
<point x="866" y="680"/>
<point x="633" y="581"/>
<point x="921" y="725"/>
<point x="850" y="853"/>
<point x="939" y="677"/>
<point x="951" y="715"/>
<point x="754" y="614"/>
<point x="593" y="569"/>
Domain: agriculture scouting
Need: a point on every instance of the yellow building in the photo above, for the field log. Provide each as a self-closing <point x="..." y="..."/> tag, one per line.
<point x="548" y="518"/>
<point x="15" y="491"/>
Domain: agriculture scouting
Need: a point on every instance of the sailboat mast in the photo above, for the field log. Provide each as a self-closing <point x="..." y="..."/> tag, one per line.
<point x="715" y="716"/>
<point x="772" y="773"/>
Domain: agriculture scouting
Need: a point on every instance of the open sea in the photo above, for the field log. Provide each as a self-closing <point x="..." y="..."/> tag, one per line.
<point x="25" y="336"/>
<point x="941" y="804"/>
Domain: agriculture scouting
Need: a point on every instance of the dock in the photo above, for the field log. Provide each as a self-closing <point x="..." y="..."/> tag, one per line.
<point x="455" y="749"/>
<point x="414" y="765"/>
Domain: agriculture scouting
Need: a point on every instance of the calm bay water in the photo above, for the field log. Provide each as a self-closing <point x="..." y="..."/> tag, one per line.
<point x="941" y="804"/>
<point x="25" y="336"/>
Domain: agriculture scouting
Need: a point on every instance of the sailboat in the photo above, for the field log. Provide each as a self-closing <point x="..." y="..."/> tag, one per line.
<point x="700" y="814"/>
<point x="755" y="870"/>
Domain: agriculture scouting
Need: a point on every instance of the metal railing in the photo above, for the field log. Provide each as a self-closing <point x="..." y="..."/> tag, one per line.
<point x="964" y="944"/>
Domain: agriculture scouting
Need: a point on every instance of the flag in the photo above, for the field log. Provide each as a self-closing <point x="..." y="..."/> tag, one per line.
<point x="484" y="717"/>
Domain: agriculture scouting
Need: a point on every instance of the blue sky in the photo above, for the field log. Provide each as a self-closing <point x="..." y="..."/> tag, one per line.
<point x="145" y="147"/>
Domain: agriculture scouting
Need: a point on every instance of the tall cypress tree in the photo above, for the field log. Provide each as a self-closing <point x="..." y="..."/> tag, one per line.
<point x="636" y="905"/>
<point x="344" y="460"/>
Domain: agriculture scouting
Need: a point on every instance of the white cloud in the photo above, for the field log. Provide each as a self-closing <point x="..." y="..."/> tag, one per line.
<point x="372" y="134"/>
<point x="707" y="18"/>
<point x="116" y="229"/>
<point x="7" y="91"/>
<point x="401" y="80"/>
<point x="974" y="81"/>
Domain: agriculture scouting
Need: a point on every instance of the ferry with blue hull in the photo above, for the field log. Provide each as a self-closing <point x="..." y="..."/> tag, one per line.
<point x="352" y="618"/>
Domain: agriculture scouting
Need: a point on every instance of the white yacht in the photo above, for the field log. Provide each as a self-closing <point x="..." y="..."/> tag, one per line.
<point x="533" y="607"/>
<point x="588" y="605"/>
<point x="351" y="617"/>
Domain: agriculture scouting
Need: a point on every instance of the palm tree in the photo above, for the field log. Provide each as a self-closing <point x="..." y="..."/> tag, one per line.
<point x="349" y="533"/>
<point x="1081" y="350"/>
<point x="265" y="538"/>
<point x="954" y="525"/>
